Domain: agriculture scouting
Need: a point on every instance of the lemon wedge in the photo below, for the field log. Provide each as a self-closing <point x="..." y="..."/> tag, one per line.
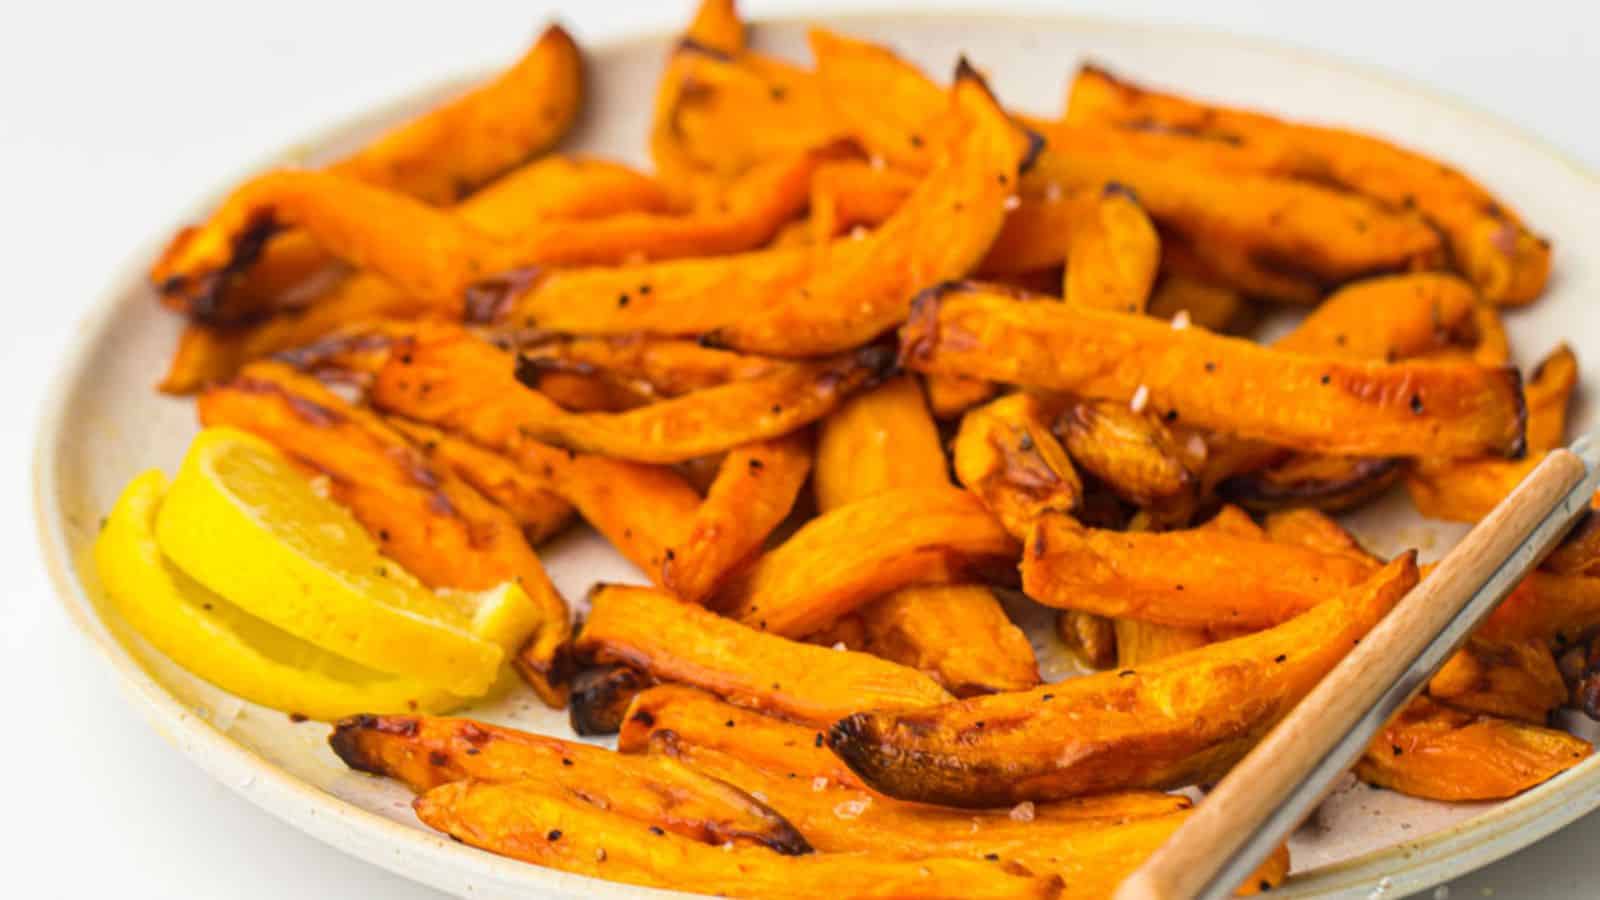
<point x="225" y="645"/>
<point x="243" y="522"/>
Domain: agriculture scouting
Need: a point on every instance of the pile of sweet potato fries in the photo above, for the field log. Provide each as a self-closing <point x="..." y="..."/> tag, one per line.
<point x="1003" y="351"/>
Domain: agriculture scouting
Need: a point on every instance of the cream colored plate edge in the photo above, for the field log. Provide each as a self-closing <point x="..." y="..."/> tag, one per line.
<point x="104" y="424"/>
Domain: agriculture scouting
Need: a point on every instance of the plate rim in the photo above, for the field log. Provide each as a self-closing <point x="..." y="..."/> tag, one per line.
<point x="431" y="858"/>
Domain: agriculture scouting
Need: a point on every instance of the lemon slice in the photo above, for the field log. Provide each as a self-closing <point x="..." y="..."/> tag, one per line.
<point x="241" y="520"/>
<point x="225" y="645"/>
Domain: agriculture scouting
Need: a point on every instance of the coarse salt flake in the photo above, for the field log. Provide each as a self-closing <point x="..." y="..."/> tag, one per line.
<point x="819" y="783"/>
<point x="859" y="233"/>
<point x="839" y="646"/>
<point x="1022" y="812"/>
<point x="1141" y="399"/>
<point x="851" y="809"/>
<point x="1012" y="202"/>
<point x="1180" y="320"/>
<point x="877" y="163"/>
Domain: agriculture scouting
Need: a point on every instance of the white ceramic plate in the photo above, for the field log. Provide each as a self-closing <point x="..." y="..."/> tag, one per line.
<point x="107" y="423"/>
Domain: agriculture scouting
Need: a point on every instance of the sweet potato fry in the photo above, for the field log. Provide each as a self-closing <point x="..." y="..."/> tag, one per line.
<point x="1266" y="236"/>
<point x="701" y="719"/>
<point x="552" y="189"/>
<point x="445" y="376"/>
<point x="1210" y="306"/>
<point x="1178" y="721"/>
<point x="862" y="551"/>
<point x="1466" y="490"/>
<point x="529" y="498"/>
<point x="1006" y="454"/>
<point x="1138" y="643"/>
<point x="957" y="633"/>
<point x="941" y="231"/>
<point x="887" y="104"/>
<point x="1314" y="530"/>
<point x="1387" y="318"/>
<point x="652" y="368"/>
<point x="1135" y="455"/>
<point x="1092" y="839"/>
<point x="525" y="821"/>
<point x="878" y="440"/>
<point x="753" y="492"/>
<point x="1215" y="382"/>
<point x="668" y="298"/>
<point x="1506" y="262"/>
<point x="435" y="158"/>
<point x="426" y="751"/>
<point x="1510" y="679"/>
<point x="1442" y="754"/>
<point x="1196" y="578"/>
<point x="1546" y="606"/>
<point x="1113" y="255"/>
<point x="884" y="440"/>
<point x="677" y="641"/>
<point x="427" y="519"/>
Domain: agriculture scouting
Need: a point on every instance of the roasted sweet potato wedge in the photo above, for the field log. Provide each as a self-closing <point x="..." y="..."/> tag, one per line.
<point x="1090" y="638"/>
<point x="1510" y="679"/>
<point x="1177" y="721"/>
<point x="1134" y="454"/>
<point x="941" y="231"/>
<point x="1196" y="578"/>
<point x="862" y="551"/>
<point x="526" y="821"/>
<point x="884" y="440"/>
<point x="1579" y="551"/>
<point x="1506" y="262"/>
<point x="445" y="376"/>
<point x="1546" y="606"/>
<point x="1097" y="840"/>
<point x="1387" y="318"/>
<point x="1437" y="753"/>
<point x="1006" y="454"/>
<point x="1114" y="254"/>
<point x="652" y="368"/>
<point x="1466" y="490"/>
<point x="537" y="507"/>
<point x="1267" y="236"/>
<point x="951" y="395"/>
<point x="879" y="440"/>
<point x="701" y="719"/>
<point x="426" y="518"/>
<point x="425" y="752"/>
<point x="1216" y="382"/>
<point x="435" y="158"/>
<point x="753" y="492"/>
<point x="957" y="633"/>
<point x="1314" y="530"/>
<point x="676" y="641"/>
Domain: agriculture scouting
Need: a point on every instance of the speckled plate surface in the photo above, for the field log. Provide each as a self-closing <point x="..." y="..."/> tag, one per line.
<point x="107" y="423"/>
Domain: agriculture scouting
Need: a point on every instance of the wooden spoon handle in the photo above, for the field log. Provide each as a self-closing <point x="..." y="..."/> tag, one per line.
<point x="1320" y="738"/>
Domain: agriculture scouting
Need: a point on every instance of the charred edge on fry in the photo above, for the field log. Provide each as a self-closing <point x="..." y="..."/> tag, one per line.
<point x="347" y="734"/>
<point x="600" y="698"/>
<point x="205" y="304"/>
<point x="485" y="302"/>
<point x="1257" y="490"/>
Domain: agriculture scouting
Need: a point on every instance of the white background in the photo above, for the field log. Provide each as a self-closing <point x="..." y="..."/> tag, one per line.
<point x="114" y="118"/>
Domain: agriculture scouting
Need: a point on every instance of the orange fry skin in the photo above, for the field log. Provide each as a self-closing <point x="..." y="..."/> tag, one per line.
<point x="1198" y="578"/>
<point x="676" y="641"/>
<point x="425" y="752"/>
<point x="524" y="821"/>
<point x="753" y="492"/>
<point x="1436" y="753"/>
<point x="447" y="377"/>
<point x="861" y="551"/>
<point x="1216" y="382"/>
<point x="1178" y="721"/>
